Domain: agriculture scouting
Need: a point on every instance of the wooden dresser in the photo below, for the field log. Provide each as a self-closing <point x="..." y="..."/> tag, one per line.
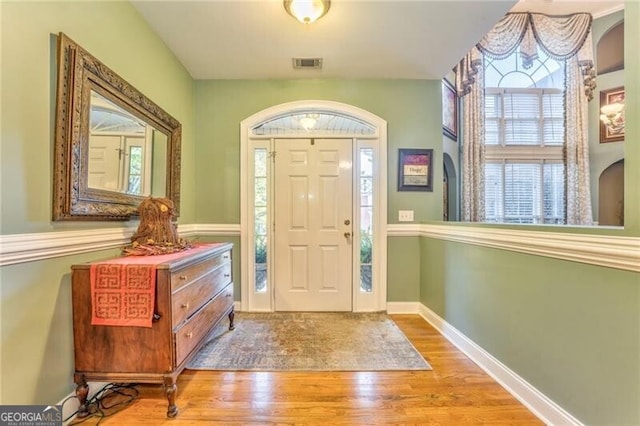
<point x="193" y="292"/>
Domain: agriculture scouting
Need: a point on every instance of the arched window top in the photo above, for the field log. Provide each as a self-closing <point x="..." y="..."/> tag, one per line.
<point x="313" y="122"/>
<point x="107" y="117"/>
<point x="509" y="72"/>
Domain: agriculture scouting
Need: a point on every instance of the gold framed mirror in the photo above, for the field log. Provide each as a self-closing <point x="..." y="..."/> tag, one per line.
<point x="113" y="146"/>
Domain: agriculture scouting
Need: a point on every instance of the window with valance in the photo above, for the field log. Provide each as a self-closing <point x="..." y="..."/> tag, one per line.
<point x="525" y="88"/>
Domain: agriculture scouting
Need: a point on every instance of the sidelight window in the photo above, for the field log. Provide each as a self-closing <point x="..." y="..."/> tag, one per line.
<point x="134" y="185"/>
<point x="366" y="219"/>
<point x="260" y="219"/>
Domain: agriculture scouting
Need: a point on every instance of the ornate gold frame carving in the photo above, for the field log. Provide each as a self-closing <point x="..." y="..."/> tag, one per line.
<point x="78" y="74"/>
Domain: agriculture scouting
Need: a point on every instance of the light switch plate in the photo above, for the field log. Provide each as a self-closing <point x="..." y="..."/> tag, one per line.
<point x="405" y="215"/>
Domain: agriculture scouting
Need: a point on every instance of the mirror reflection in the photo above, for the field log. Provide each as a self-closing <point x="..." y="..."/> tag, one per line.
<point x="126" y="154"/>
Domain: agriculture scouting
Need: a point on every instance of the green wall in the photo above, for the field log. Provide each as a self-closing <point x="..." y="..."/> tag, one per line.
<point x="569" y="329"/>
<point x="410" y="107"/>
<point x="37" y="330"/>
<point x="36" y="347"/>
<point x="572" y="330"/>
<point x="113" y="32"/>
<point x="632" y="109"/>
<point x="403" y="269"/>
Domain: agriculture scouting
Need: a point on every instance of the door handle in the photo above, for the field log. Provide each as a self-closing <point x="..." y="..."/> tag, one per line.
<point x="347" y="234"/>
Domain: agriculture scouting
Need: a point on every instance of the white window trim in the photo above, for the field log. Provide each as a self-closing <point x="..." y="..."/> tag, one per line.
<point x="523" y="153"/>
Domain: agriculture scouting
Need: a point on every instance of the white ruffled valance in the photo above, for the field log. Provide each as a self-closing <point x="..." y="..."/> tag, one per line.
<point x="467" y="71"/>
<point x="560" y="37"/>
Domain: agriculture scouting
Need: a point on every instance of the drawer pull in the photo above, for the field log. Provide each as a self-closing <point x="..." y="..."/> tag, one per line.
<point x="225" y="257"/>
<point x="185" y="305"/>
<point x="228" y="295"/>
<point x="189" y="335"/>
<point x="183" y="277"/>
<point x="227" y="275"/>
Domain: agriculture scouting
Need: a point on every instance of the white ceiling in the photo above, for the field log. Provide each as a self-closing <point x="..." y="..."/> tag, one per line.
<point x="257" y="39"/>
<point x="597" y="8"/>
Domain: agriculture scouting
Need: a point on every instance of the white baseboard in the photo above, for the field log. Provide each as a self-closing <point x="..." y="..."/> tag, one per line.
<point x="72" y="404"/>
<point x="403" y="307"/>
<point x="539" y="404"/>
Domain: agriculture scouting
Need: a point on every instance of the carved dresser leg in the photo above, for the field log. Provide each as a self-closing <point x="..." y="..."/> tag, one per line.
<point x="170" y="389"/>
<point x="82" y="392"/>
<point x="231" y="317"/>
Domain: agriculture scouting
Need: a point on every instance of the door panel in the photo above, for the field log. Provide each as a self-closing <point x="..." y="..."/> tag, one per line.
<point x="298" y="190"/>
<point x="313" y="199"/>
<point x="105" y="170"/>
<point x="298" y="272"/>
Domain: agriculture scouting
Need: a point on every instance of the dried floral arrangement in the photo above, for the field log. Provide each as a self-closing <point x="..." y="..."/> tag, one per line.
<point x="157" y="233"/>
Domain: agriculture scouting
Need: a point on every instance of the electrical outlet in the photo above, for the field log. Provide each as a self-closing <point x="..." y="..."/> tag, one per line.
<point x="405" y="215"/>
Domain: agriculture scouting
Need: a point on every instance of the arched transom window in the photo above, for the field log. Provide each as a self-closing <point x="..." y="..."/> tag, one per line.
<point x="312" y="123"/>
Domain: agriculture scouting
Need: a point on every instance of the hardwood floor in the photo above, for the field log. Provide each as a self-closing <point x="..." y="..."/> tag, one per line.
<point x="455" y="392"/>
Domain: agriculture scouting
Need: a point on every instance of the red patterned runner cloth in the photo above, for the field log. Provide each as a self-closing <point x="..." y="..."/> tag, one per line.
<point x="123" y="290"/>
<point x="122" y="295"/>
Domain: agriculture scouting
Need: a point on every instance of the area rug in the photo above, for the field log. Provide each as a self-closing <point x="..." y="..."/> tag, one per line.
<point x="303" y="341"/>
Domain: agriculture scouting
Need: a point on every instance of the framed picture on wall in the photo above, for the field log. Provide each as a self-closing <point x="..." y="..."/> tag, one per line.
<point x="449" y="111"/>
<point x="609" y="98"/>
<point x="415" y="170"/>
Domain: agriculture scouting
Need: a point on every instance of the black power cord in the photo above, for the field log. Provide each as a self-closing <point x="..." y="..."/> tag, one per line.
<point x="107" y="401"/>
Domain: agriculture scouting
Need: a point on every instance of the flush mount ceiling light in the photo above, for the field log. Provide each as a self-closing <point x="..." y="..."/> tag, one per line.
<point x="308" y="121"/>
<point x="307" y="11"/>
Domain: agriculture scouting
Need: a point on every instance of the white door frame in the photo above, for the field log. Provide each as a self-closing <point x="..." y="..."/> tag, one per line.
<point x="362" y="301"/>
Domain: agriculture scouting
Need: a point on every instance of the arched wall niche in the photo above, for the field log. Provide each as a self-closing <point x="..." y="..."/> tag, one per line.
<point x="611" y="201"/>
<point x="610" y="50"/>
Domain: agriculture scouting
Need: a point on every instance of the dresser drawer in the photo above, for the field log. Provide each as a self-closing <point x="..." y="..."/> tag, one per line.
<point x="184" y="276"/>
<point x="200" y="324"/>
<point x="189" y="298"/>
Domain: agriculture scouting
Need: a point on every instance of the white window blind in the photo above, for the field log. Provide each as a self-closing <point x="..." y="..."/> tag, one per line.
<point x="524" y="117"/>
<point x="524" y="171"/>
<point x="524" y="192"/>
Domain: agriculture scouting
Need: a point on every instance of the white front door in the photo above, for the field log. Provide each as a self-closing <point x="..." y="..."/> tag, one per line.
<point x="110" y="163"/>
<point x="313" y="224"/>
<point x="105" y="152"/>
